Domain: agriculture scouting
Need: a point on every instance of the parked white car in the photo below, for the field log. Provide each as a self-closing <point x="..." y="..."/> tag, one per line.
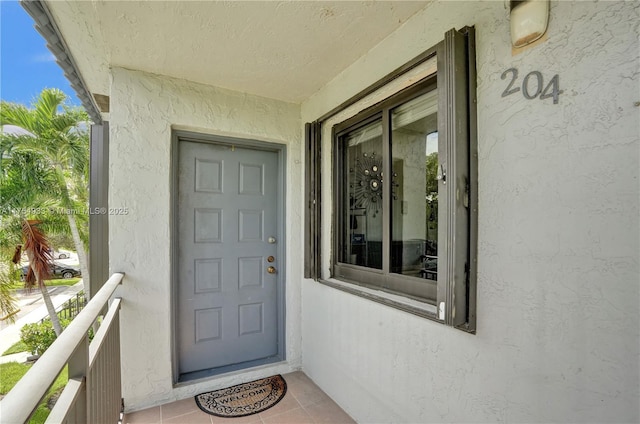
<point x="60" y="254"/>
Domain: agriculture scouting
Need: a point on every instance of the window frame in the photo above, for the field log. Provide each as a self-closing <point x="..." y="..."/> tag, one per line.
<point x="456" y="74"/>
<point x="313" y="199"/>
<point x="375" y="278"/>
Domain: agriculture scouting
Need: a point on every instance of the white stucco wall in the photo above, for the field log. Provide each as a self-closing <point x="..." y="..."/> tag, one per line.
<point x="144" y="108"/>
<point x="558" y="299"/>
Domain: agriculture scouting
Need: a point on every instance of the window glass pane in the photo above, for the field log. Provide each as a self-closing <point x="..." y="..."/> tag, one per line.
<point x="362" y="232"/>
<point x="414" y="204"/>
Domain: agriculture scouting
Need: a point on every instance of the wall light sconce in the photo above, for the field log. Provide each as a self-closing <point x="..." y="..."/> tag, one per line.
<point x="529" y="20"/>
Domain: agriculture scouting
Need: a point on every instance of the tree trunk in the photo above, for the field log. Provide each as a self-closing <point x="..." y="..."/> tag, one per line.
<point x="46" y="298"/>
<point x="82" y="255"/>
<point x="50" y="308"/>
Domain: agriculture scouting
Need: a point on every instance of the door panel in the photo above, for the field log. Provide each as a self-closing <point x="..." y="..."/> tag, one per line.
<point x="227" y="308"/>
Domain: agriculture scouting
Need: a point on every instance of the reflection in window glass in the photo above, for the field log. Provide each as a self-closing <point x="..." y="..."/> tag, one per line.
<point x="362" y="232"/>
<point x="414" y="203"/>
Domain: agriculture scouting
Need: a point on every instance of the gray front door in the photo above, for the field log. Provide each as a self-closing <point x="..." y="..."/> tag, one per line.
<point x="227" y="306"/>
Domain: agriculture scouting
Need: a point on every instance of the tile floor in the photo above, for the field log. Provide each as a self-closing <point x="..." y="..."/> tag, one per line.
<point x="304" y="402"/>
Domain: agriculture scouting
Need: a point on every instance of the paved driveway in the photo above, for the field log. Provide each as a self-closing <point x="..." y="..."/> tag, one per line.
<point x="32" y="309"/>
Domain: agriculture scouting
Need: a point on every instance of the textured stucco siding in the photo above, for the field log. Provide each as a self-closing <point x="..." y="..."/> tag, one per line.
<point x="558" y="273"/>
<point x="144" y="108"/>
<point x="558" y="322"/>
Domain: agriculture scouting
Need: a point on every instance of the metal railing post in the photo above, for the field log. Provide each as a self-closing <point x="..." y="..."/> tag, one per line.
<point x="72" y="348"/>
<point x="79" y="369"/>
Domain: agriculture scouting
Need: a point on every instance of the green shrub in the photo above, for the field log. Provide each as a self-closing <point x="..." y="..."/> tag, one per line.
<point x="39" y="336"/>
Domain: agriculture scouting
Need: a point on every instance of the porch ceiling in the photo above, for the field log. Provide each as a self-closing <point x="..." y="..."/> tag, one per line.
<point x="281" y="50"/>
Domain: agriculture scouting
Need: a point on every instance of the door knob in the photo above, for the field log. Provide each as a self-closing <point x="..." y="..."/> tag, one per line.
<point x="271" y="270"/>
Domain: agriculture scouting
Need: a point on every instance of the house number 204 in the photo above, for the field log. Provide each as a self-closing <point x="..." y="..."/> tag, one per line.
<point x="532" y="85"/>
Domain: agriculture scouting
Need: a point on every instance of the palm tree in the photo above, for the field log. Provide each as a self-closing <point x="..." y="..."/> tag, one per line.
<point x="26" y="186"/>
<point x="8" y="307"/>
<point x="39" y="254"/>
<point x="55" y="132"/>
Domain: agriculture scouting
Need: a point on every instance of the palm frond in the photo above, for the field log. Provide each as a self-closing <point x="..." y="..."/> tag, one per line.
<point x="8" y="307"/>
<point x="25" y="177"/>
<point x="16" y="114"/>
<point x="37" y="245"/>
<point x="46" y="108"/>
<point x="68" y="120"/>
<point x="10" y="235"/>
<point x="17" y="255"/>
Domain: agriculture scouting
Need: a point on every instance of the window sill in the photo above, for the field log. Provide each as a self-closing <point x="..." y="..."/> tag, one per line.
<point x="405" y="304"/>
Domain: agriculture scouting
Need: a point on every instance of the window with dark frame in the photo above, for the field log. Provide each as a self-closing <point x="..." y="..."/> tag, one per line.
<point x="387" y="194"/>
<point x="405" y="198"/>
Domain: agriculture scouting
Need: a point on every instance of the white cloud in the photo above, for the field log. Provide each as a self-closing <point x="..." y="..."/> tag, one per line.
<point x="44" y="57"/>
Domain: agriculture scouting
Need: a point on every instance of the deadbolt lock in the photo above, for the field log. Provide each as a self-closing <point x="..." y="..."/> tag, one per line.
<point x="271" y="259"/>
<point x="271" y="270"/>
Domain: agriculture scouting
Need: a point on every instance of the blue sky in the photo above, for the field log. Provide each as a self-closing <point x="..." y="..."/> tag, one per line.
<point x="26" y="65"/>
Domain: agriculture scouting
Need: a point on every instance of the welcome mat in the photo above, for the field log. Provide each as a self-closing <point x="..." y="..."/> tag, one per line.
<point x="243" y="399"/>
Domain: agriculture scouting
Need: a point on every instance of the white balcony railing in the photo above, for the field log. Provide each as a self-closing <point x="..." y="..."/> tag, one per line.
<point x="93" y="393"/>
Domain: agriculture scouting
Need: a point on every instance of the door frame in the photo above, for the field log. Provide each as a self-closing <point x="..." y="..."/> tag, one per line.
<point x="178" y="136"/>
